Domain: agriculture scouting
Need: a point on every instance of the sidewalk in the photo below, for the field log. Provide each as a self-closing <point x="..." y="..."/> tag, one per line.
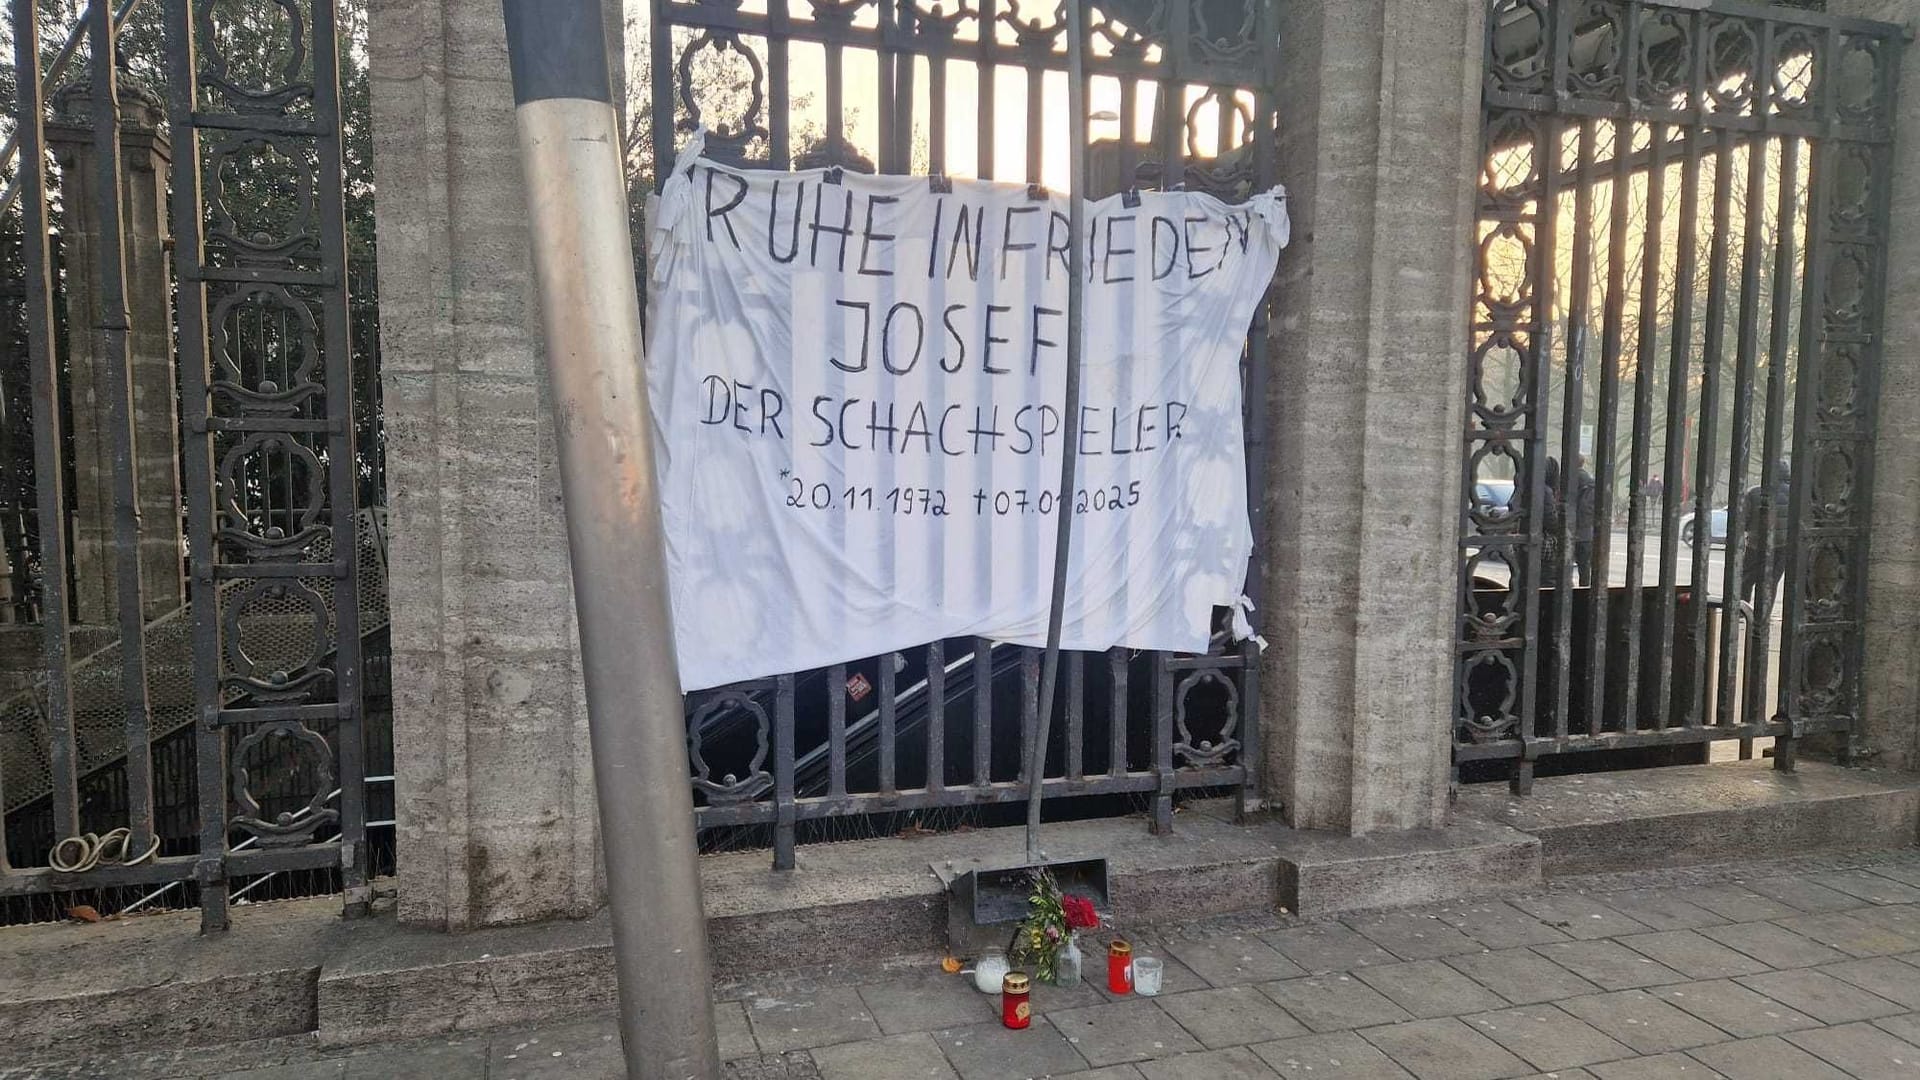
<point x="1803" y="969"/>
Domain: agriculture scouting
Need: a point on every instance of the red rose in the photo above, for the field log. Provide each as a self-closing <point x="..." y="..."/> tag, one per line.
<point x="1079" y="912"/>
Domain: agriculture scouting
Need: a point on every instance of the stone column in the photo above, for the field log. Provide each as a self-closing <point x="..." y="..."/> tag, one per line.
<point x="1892" y="677"/>
<point x="145" y="157"/>
<point x="494" y="786"/>
<point x="1378" y="148"/>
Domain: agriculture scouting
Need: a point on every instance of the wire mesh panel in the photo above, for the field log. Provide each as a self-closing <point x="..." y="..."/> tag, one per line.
<point x="1679" y="255"/>
<point x="1180" y="94"/>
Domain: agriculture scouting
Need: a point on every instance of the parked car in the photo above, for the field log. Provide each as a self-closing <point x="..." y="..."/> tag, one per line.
<point x="1719" y="527"/>
<point x="1495" y="495"/>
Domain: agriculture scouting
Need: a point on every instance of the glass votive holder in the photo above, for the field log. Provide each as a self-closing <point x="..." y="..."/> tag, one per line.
<point x="989" y="971"/>
<point x="1147" y="971"/>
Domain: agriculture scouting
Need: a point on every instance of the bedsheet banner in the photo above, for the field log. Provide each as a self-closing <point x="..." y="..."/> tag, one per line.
<point x="858" y="386"/>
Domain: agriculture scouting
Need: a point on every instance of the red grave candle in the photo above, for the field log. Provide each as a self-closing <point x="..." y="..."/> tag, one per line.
<point x="1120" y="967"/>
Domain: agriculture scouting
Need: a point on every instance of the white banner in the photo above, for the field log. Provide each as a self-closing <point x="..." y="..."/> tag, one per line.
<point x="858" y="384"/>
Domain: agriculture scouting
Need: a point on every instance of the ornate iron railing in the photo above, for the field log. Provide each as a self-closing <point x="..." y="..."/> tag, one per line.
<point x="1680" y="262"/>
<point x="933" y="726"/>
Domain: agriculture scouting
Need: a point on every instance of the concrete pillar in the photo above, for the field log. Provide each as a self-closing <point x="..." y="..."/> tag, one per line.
<point x="1892" y="677"/>
<point x="145" y="157"/>
<point x="1379" y="138"/>
<point x="494" y="789"/>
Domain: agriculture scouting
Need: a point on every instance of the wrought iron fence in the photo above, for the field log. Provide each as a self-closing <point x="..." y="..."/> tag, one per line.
<point x="1183" y="95"/>
<point x="1675" y="353"/>
<point x="225" y="735"/>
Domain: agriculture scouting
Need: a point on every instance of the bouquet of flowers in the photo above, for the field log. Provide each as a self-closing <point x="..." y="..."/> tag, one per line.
<point x="1052" y="920"/>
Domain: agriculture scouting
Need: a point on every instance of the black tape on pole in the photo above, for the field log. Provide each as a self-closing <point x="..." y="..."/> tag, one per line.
<point x="557" y="49"/>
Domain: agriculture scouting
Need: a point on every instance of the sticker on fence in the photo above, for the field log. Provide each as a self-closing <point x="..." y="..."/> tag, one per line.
<point x="858" y="384"/>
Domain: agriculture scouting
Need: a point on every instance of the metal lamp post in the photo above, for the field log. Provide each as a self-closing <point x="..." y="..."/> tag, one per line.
<point x="583" y="262"/>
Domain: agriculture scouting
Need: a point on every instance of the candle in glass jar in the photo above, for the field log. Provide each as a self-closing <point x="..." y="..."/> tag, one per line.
<point x="1016" y="1011"/>
<point x="989" y="971"/>
<point x="1120" y="967"/>
<point x="1147" y="971"/>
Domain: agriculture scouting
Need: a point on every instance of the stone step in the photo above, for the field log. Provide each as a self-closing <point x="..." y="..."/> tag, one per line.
<point x="1698" y="814"/>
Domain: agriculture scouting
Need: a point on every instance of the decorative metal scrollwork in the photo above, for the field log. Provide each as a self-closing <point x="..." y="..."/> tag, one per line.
<point x="217" y="68"/>
<point x="253" y="325"/>
<point x="728" y="138"/>
<point x="274" y="609"/>
<point x="286" y="828"/>
<point x="1206" y="752"/>
<point x="732" y="787"/>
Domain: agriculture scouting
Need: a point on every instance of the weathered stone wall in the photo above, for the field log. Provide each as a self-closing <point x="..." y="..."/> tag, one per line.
<point x="497" y="820"/>
<point x="1379" y="141"/>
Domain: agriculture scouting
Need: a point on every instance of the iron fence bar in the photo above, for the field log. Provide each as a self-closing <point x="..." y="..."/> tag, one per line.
<point x="887" y="713"/>
<point x="1753" y="703"/>
<point x="837" y="728"/>
<point x="110" y="278"/>
<point x="1163" y="773"/>
<point x="1029" y="711"/>
<point x="936" y="716"/>
<point x="1673" y="454"/>
<point x="44" y="375"/>
<point x="1612" y="336"/>
<point x="190" y="318"/>
<point x="1746" y="360"/>
<point x="1628" y="740"/>
<point x="1712" y="358"/>
<point x="342" y="494"/>
<point x="1116" y="711"/>
<point x="779" y="93"/>
<point x="982" y="675"/>
<point x="936" y="111"/>
<point x="1129" y="123"/>
<point x="1076" y="713"/>
<point x="988" y="22"/>
<point x="1645" y="363"/>
<point x="1573" y="407"/>
<point x="783" y="793"/>
<point x="660" y="32"/>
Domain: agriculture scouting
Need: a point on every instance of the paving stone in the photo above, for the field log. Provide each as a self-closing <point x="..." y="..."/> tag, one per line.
<point x="1889" y="977"/>
<point x="1769" y="1058"/>
<point x="1852" y="936"/>
<point x="1328" y="946"/>
<point x="589" y="1051"/>
<point x="1123" y="1031"/>
<point x="1803" y="894"/>
<point x="1413" y="935"/>
<point x="1561" y="1074"/>
<point x="1821" y="996"/>
<point x="896" y="1057"/>
<point x="1735" y="902"/>
<point x="1334" y="1002"/>
<point x="1578" y="915"/>
<point x="1499" y="925"/>
<point x="1234" y="1016"/>
<point x="1904" y="918"/>
<point x="1338" y="1056"/>
<point x="1660" y="909"/>
<point x="1522" y="976"/>
<point x="1609" y="965"/>
<point x="1547" y="1038"/>
<point x="1445" y="1050"/>
<point x="929" y="1001"/>
<point x="1429" y="988"/>
<point x="736" y="1035"/>
<point x="1238" y="1063"/>
<point x="1734" y="1009"/>
<point x="1674" y="1066"/>
<point x="991" y="1052"/>
<point x="1862" y="1050"/>
<point x="1906" y="871"/>
<point x="1868" y="886"/>
<point x="1091" y="991"/>
<point x="1234" y="960"/>
<point x="1901" y="1027"/>
<point x="1687" y="952"/>
<point x="1111" y="1072"/>
<point x="802" y="1022"/>
<point x="795" y="1065"/>
<point x="1773" y="945"/>
<point x="1643" y="1021"/>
